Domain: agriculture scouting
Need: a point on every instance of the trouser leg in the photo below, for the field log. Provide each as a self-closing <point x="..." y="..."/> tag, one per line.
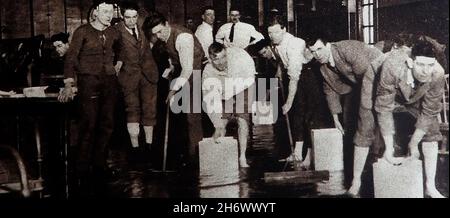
<point x="106" y="119"/>
<point x="88" y="108"/>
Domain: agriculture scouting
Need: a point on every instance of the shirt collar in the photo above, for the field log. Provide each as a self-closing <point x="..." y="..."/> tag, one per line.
<point x="207" y="24"/>
<point x="135" y="28"/>
<point x="409" y="76"/>
<point x="170" y="32"/>
<point x="284" y="40"/>
<point x="330" y="59"/>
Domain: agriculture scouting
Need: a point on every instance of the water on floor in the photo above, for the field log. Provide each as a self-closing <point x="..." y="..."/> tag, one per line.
<point x="263" y="155"/>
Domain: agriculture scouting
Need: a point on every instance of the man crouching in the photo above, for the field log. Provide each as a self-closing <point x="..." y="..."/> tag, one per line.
<point x="226" y="83"/>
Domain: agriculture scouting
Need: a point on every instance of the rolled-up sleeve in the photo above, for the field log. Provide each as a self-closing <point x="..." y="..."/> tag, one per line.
<point x="256" y="35"/>
<point x="431" y="104"/>
<point x="220" y="35"/>
<point x="385" y="99"/>
<point x="296" y="59"/>
<point x="205" y="38"/>
<point x="185" y="47"/>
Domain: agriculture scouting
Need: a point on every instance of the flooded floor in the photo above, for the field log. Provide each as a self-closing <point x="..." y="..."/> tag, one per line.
<point x="263" y="155"/>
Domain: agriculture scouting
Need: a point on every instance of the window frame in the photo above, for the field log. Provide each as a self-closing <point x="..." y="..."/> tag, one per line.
<point x="368" y="29"/>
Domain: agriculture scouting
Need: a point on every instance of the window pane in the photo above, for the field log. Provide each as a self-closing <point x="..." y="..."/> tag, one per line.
<point x="371" y="31"/>
<point x="365" y="1"/>
<point x="366" y="35"/>
<point x="371" y="15"/>
<point x="365" y="14"/>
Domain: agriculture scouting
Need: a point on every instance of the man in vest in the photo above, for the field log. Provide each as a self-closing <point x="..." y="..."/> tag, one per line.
<point x="185" y="54"/>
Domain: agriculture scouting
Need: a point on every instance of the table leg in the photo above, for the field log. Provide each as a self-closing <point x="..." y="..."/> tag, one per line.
<point x="39" y="155"/>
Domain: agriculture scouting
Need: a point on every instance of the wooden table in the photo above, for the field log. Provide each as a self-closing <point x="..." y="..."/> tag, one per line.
<point x="37" y="108"/>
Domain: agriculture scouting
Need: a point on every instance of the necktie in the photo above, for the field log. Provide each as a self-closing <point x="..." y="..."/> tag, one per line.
<point x="331" y="67"/>
<point x="232" y="33"/>
<point x="103" y="38"/>
<point x="275" y="52"/>
<point x="134" y="33"/>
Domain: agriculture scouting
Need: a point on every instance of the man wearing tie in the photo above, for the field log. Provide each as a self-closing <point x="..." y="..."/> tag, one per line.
<point x="288" y="51"/>
<point x="138" y="75"/>
<point x="237" y="33"/>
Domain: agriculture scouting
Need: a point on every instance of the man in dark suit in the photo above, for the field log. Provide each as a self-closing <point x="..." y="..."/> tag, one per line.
<point x="344" y="64"/>
<point x="138" y="75"/>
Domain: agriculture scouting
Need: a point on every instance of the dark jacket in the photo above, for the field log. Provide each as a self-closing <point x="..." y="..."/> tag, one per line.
<point x="136" y="56"/>
<point x="91" y="52"/>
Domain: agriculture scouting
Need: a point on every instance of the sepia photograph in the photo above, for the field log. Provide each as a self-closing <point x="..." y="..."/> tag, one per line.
<point x="224" y="99"/>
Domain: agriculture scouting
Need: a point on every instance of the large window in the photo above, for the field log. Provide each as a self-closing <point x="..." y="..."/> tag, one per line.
<point x="368" y="18"/>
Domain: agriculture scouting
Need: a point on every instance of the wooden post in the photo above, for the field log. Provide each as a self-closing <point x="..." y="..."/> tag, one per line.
<point x="261" y="13"/>
<point x="31" y="17"/>
<point x="228" y="9"/>
<point x="65" y="16"/>
<point x="290" y="16"/>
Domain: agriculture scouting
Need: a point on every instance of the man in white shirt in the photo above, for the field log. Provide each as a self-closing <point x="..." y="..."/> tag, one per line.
<point x="204" y="32"/>
<point x="222" y="93"/>
<point x="237" y="33"/>
<point x="289" y="52"/>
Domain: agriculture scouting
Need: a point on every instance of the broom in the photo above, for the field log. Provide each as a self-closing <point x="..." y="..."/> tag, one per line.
<point x="166" y="142"/>
<point x="297" y="176"/>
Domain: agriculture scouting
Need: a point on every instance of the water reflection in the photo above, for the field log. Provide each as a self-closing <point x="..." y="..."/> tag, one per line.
<point x="334" y="186"/>
<point x="227" y="191"/>
<point x="248" y="183"/>
<point x="237" y="190"/>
